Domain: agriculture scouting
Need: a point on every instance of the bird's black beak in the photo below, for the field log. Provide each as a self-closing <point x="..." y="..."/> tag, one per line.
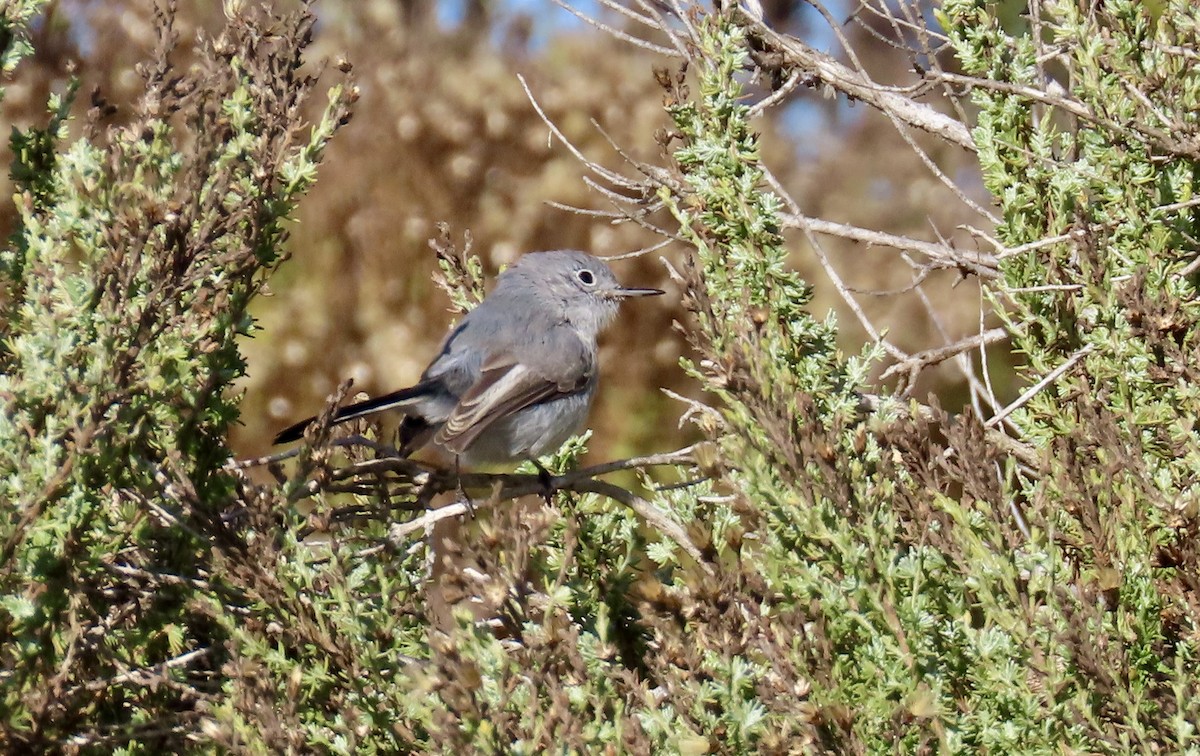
<point x="624" y="293"/>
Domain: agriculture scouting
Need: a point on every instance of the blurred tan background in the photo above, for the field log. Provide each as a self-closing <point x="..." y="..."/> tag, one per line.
<point x="444" y="133"/>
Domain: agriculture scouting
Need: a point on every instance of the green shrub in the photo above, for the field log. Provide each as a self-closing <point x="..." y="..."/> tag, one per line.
<point x="874" y="575"/>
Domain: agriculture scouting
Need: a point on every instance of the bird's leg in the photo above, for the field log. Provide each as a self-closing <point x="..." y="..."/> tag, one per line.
<point x="546" y="479"/>
<point x="462" y="492"/>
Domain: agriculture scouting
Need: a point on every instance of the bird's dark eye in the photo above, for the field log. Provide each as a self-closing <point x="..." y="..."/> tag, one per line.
<point x="586" y="277"/>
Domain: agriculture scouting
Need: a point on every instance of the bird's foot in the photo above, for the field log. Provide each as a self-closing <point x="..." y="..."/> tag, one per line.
<point x="546" y="478"/>
<point x="462" y="492"/>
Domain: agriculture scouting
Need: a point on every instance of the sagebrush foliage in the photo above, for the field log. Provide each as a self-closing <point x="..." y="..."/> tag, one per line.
<point x="888" y="551"/>
<point x="870" y="585"/>
<point x="139" y="248"/>
<point x="1110" y="170"/>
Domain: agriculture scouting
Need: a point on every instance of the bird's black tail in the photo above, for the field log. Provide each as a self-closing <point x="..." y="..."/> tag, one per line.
<point x="395" y="400"/>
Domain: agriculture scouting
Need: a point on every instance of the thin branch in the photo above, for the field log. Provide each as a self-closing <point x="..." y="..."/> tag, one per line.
<point x="607" y="214"/>
<point x="836" y="279"/>
<point x="988" y="391"/>
<point x="641" y="251"/>
<point x="681" y="44"/>
<point x="615" y="178"/>
<point x="694" y="408"/>
<point x="624" y="36"/>
<point x="148" y="675"/>
<point x="903" y="130"/>
<point x="1033" y="390"/>
<point x="961" y="361"/>
<point x="843" y="290"/>
<point x="778" y="95"/>
<point x="422" y="484"/>
<point x="660" y="520"/>
<point x="857" y="85"/>
<point x="981" y="264"/>
<point x="1137" y="129"/>
<point x="922" y="360"/>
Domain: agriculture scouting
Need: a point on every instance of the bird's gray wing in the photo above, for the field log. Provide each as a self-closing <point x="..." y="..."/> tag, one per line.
<point x="562" y="366"/>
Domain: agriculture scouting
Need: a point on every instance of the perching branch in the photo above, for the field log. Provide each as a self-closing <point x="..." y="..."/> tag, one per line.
<point x="410" y="485"/>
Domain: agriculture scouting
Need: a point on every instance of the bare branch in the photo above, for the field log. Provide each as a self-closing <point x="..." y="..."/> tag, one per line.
<point x="922" y="360"/>
<point x="635" y="41"/>
<point x="148" y="675"/>
<point x="418" y="484"/>
<point x="857" y="85"/>
<point x="942" y="255"/>
<point x="616" y="178"/>
<point x="1033" y="390"/>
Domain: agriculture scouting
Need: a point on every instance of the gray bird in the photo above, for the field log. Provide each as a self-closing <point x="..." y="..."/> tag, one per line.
<point x="516" y="377"/>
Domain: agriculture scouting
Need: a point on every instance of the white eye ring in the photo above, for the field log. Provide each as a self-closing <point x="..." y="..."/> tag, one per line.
<point x="586" y="277"/>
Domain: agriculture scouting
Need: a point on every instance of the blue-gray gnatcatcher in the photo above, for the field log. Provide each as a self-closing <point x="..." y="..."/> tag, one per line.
<point x="516" y="377"/>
